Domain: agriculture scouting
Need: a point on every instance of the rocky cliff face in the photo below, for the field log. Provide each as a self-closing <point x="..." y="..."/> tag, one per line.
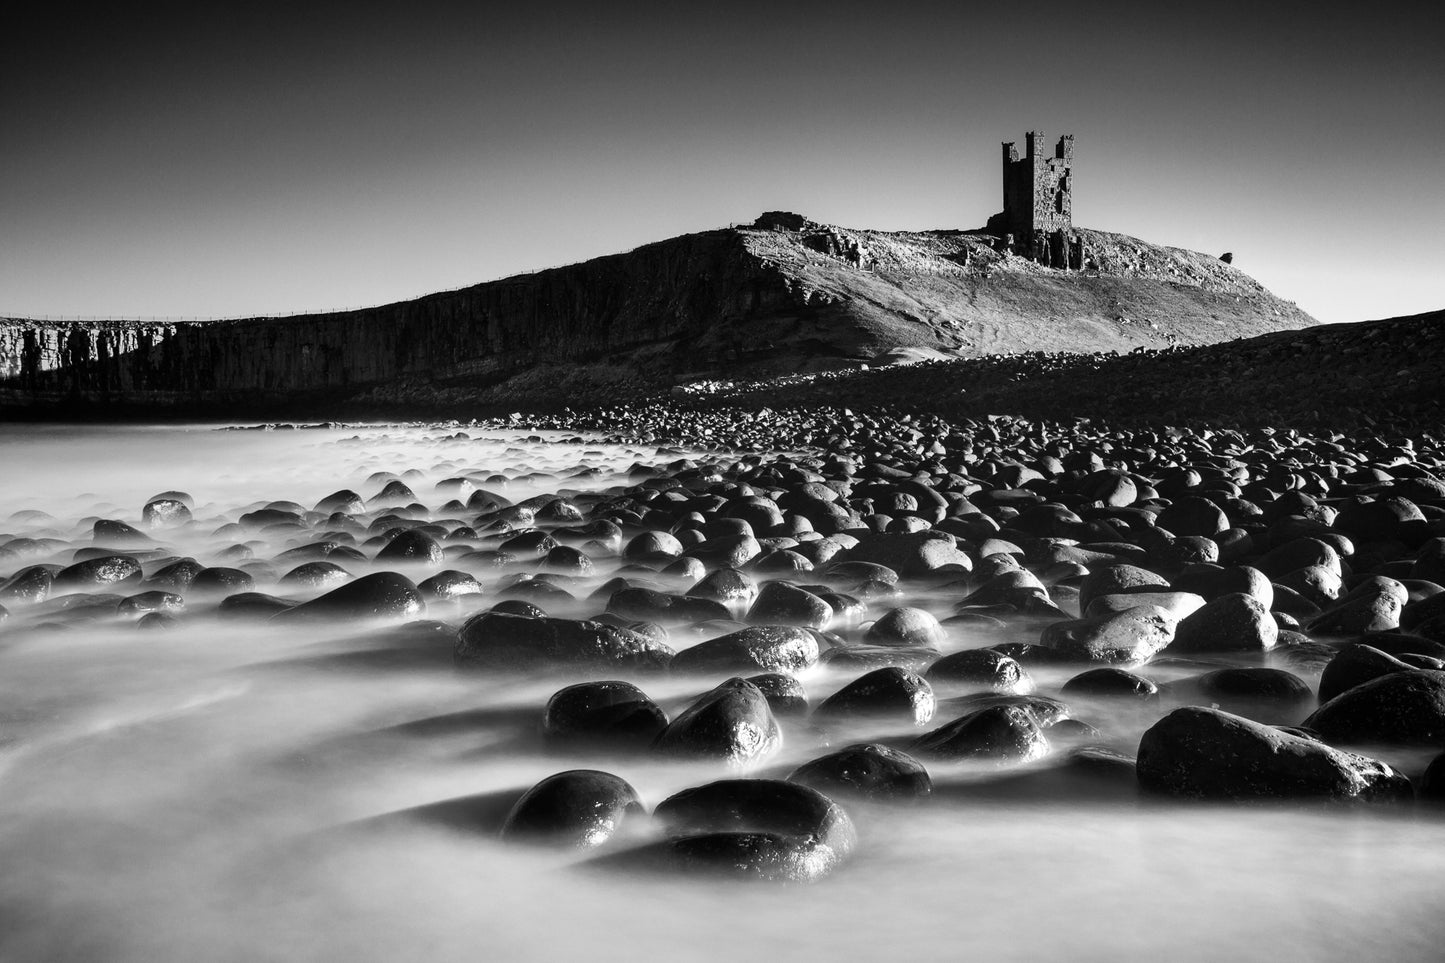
<point x="737" y="299"/>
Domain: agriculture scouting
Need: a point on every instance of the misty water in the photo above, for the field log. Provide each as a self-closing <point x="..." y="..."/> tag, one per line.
<point x="230" y="790"/>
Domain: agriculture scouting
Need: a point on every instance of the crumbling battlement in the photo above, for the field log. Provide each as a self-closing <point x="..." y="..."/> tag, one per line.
<point x="1038" y="202"/>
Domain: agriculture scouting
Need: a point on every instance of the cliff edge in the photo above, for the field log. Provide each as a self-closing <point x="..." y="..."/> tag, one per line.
<point x="753" y="301"/>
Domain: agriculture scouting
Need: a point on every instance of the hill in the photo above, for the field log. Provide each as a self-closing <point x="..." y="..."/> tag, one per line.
<point x="758" y="301"/>
<point x="1372" y="373"/>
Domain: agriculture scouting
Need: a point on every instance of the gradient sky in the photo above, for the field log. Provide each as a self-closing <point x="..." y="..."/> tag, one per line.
<point x="221" y="159"/>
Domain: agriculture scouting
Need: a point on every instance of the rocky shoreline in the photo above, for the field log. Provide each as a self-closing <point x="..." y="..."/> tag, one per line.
<point x="1272" y="601"/>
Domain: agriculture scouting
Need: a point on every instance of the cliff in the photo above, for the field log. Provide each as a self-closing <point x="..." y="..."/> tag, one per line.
<point x="753" y="300"/>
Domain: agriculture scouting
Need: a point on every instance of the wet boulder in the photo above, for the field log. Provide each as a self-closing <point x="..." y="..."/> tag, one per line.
<point x="165" y="513"/>
<point x="866" y="770"/>
<point x="578" y="809"/>
<point x="608" y="713"/>
<point x="1001" y="733"/>
<point x="257" y="606"/>
<point x="781" y="603"/>
<point x="411" y="547"/>
<point x="905" y="626"/>
<point x="135" y="606"/>
<point x="986" y="668"/>
<point x="29" y="586"/>
<point x="773" y="648"/>
<point x="1193" y="515"/>
<point x="732" y="722"/>
<point x="110" y="531"/>
<point x="1209" y="754"/>
<point x="890" y="692"/>
<point x="449" y="584"/>
<point x="176" y="576"/>
<point x="383" y="596"/>
<point x="728" y="586"/>
<point x="315" y="575"/>
<point x="1132" y="636"/>
<point x="345" y="501"/>
<point x="726" y="551"/>
<point x="1213" y="583"/>
<point x="642" y="604"/>
<point x="219" y="581"/>
<point x="652" y="545"/>
<point x="1231" y="623"/>
<point x="1400" y="708"/>
<point x="758" y="805"/>
<point x="1355" y="664"/>
<point x="912" y="554"/>
<point x="1110" y="682"/>
<point x="106" y="571"/>
<point x="1179" y="605"/>
<point x="497" y="640"/>
<point x="760" y="829"/>
<point x="1372" y="606"/>
<point x="785" y="694"/>
<point x="1118" y="580"/>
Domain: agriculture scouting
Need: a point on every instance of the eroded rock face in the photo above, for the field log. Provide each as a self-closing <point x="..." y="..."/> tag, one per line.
<point x="1209" y="754"/>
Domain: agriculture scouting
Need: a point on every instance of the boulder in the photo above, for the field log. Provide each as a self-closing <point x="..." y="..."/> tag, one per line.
<point x="497" y="640"/>
<point x="1402" y="708"/>
<point x="732" y="722"/>
<point x="866" y="770"/>
<point x="578" y="809"/>
<point x="1209" y="754"/>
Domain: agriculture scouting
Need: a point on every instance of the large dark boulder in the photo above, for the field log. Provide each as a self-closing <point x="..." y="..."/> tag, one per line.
<point x="1209" y="754"/>
<point x="648" y="605"/>
<point x="773" y="648"/>
<point x="984" y="668"/>
<point x="1003" y="733"/>
<point x="732" y="722"/>
<point x="581" y="808"/>
<point x="1355" y="664"/>
<point x="607" y="713"/>
<point x="866" y="770"/>
<point x="891" y="692"/>
<point x="498" y="640"/>
<point x="381" y="596"/>
<point x="905" y="626"/>
<point x="107" y="571"/>
<point x="411" y="547"/>
<point x="758" y="806"/>
<point x="1231" y="623"/>
<point x="1132" y="636"/>
<point x="1110" y="682"/>
<point x="912" y="553"/>
<point x="1406" y="708"/>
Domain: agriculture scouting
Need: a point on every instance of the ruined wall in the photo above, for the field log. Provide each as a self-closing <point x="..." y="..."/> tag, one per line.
<point x="1038" y="187"/>
<point x="670" y="290"/>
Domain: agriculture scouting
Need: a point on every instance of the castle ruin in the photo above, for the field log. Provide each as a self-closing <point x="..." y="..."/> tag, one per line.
<point x="1037" y="218"/>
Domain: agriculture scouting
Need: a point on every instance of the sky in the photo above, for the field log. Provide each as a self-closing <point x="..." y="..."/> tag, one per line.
<point x="217" y="159"/>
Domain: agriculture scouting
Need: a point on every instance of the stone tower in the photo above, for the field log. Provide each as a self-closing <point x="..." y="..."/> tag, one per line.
<point x="1038" y="200"/>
